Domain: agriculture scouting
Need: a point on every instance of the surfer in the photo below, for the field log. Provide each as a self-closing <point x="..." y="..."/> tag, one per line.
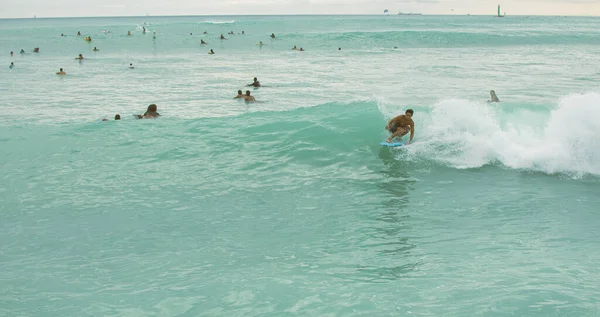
<point x="80" y="57"/>
<point x="61" y="72"/>
<point x="36" y="50"/>
<point x="78" y="33"/>
<point x="12" y="65"/>
<point x="493" y="97"/>
<point x="95" y="49"/>
<point x="301" y="49"/>
<point x="150" y="113"/>
<point x="12" y="53"/>
<point x="249" y="98"/>
<point x="117" y="117"/>
<point x="401" y="125"/>
<point x="131" y="66"/>
<point x="256" y="83"/>
<point x="272" y="35"/>
<point x="240" y="95"/>
<point x="202" y="42"/>
<point x="294" y="48"/>
<point x="222" y="37"/>
<point x="211" y="52"/>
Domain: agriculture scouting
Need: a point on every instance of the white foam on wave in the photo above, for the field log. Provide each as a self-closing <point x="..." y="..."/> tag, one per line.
<point x="218" y="22"/>
<point x="465" y="134"/>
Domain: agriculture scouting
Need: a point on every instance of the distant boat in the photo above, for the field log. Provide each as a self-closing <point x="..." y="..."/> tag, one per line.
<point x="499" y="15"/>
<point x="409" y="13"/>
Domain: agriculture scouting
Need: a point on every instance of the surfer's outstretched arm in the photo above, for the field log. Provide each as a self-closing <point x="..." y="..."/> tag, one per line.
<point x="412" y="132"/>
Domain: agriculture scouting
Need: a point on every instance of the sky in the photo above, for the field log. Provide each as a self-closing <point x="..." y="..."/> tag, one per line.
<point x="74" y="8"/>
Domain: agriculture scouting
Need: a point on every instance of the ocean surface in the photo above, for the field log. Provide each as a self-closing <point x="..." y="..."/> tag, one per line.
<point x="289" y="206"/>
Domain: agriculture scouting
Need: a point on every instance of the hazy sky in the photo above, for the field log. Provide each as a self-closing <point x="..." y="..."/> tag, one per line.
<point x="54" y="8"/>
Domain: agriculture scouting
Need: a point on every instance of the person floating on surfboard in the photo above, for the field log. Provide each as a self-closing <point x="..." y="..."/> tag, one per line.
<point x="401" y="125"/>
<point x="151" y="113"/>
<point x="493" y="97"/>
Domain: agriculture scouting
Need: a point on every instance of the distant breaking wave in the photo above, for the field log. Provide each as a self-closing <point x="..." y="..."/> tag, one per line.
<point x="218" y="22"/>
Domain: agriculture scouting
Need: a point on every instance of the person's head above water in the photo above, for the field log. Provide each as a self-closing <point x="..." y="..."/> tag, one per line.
<point x="117" y="117"/>
<point x="409" y="113"/>
<point x="239" y="91"/>
<point x="247" y="92"/>
<point x="152" y="108"/>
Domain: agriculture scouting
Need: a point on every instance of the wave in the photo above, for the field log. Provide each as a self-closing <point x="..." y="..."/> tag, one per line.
<point x="217" y="22"/>
<point x="559" y="139"/>
<point x="439" y="38"/>
<point x="465" y="134"/>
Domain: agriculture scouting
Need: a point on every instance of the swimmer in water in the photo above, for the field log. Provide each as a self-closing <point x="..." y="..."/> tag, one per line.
<point x="78" y="33"/>
<point x="249" y="98"/>
<point x="80" y="57"/>
<point x="62" y="34"/>
<point x="243" y="33"/>
<point x="128" y="33"/>
<point x="144" y="29"/>
<point x="22" y="51"/>
<point x="154" y="35"/>
<point x="36" y="50"/>
<point x="117" y="117"/>
<point x="150" y="113"/>
<point x="261" y="44"/>
<point x="401" y="125"/>
<point x="240" y="95"/>
<point x="493" y="97"/>
<point x="255" y="83"/>
<point x="301" y="49"/>
<point x="205" y="32"/>
<point x="339" y="49"/>
<point x="12" y="53"/>
<point x="12" y="64"/>
<point x="95" y="49"/>
<point x="294" y="48"/>
<point x="61" y="72"/>
<point x="222" y="37"/>
<point x="131" y="66"/>
<point x="211" y="52"/>
<point x="202" y="42"/>
<point x="272" y="35"/>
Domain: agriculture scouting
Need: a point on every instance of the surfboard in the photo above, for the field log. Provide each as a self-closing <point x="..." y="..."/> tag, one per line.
<point x="393" y="144"/>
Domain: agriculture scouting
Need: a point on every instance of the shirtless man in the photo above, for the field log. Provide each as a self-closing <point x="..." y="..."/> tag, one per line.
<point x="401" y="125"/>
<point x="61" y="72"/>
<point x="240" y="95"/>
<point x="249" y="98"/>
<point x="255" y="83"/>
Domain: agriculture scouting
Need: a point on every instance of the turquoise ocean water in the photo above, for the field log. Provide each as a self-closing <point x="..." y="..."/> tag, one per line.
<point x="289" y="206"/>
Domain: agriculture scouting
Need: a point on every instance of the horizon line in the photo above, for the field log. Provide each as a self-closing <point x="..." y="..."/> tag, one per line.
<point x="35" y="17"/>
